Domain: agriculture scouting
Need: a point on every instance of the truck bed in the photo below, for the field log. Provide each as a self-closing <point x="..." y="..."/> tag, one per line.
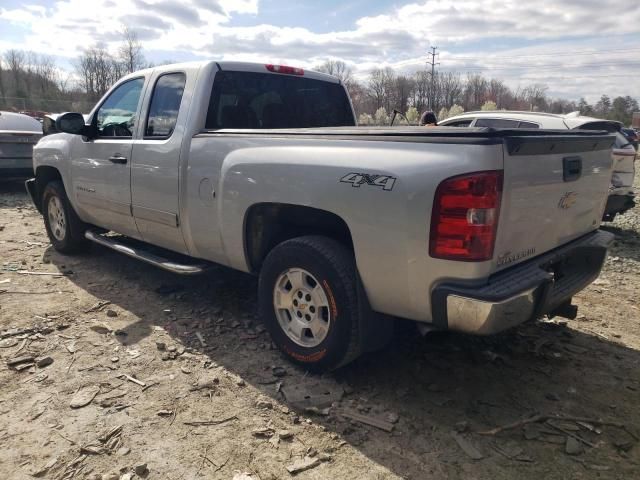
<point x="480" y="135"/>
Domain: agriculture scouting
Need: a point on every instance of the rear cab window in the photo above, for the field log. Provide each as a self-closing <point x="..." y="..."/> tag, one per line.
<point x="247" y="100"/>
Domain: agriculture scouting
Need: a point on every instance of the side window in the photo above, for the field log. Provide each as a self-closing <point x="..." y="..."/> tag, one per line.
<point x="496" y="123"/>
<point x="459" y="123"/>
<point x="528" y="125"/>
<point x="165" y="104"/>
<point x="116" y="117"/>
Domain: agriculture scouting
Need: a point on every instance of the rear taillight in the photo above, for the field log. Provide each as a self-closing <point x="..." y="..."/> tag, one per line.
<point x="465" y="217"/>
<point x="284" y="69"/>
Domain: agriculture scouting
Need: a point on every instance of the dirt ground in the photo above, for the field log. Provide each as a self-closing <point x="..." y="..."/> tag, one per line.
<point x="208" y="397"/>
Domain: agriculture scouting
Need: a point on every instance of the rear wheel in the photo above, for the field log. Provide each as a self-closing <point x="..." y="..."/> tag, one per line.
<point x="64" y="227"/>
<point x="309" y="303"/>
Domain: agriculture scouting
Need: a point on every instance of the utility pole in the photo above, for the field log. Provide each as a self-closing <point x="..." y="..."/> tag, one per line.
<point x="433" y="75"/>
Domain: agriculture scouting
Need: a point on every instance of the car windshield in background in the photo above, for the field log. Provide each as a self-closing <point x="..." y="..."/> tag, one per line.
<point x="263" y="100"/>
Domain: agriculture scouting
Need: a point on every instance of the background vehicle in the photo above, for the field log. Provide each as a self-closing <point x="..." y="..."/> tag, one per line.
<point x="345" y="226"/>
<point x="621" y="194"/>
<point x="631" y="135"/>
<point x="18" y="134"/>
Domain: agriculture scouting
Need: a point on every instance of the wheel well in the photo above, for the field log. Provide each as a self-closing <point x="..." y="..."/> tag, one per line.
<point x="44" y="175"/>
<point x="269" y="224"/>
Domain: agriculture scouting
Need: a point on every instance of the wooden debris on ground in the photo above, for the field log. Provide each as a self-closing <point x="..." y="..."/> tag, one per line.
<point x="132" y="379"/>
<point x="303" y="464"/>
<point x="468" y="448"/>
<point x="200" y="423"/>
<point x="84" y="396"/>
<point x="367" y="419"/>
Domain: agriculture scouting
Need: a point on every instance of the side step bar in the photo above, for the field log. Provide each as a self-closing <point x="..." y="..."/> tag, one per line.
<point x="146" y="256"/>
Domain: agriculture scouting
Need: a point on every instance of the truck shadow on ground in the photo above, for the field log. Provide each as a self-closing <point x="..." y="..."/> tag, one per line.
<point x="434" y="385"/>
<point x="627" y="243"/>
<point x="13" y="193"/>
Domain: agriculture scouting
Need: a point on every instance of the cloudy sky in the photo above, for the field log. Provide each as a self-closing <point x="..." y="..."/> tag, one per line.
<point x="577" y="47"/>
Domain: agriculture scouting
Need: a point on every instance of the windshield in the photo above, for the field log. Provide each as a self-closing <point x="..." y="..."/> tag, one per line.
<point x="264" y="100"/>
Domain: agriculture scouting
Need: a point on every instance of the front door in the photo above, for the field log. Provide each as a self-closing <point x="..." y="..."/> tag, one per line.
<point x="102" y="165"/>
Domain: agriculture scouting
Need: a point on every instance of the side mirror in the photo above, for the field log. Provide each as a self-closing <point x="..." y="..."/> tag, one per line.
<point x="71" y="123"/>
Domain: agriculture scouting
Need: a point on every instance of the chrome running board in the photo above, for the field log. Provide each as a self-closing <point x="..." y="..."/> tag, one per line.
<point x="146" y="256"/>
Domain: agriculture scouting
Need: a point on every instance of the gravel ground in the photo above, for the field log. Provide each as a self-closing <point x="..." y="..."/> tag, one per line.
<point x="176" y="374"/>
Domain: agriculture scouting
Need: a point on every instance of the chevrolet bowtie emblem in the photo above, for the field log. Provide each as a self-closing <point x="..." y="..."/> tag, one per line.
<point x="567" y="200"/>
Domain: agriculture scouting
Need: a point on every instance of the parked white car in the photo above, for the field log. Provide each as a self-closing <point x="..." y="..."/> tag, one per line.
<point x="18" y="134"/>
<point x="621" y="194"/>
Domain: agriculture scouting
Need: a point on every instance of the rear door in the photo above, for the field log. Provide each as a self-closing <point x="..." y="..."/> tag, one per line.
<point x="102" y="165"/>
<point x="555" y="190"/>
<point x="155" y="174"/>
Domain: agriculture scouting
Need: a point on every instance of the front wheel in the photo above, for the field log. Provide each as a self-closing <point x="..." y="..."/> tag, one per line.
<point x="64" y="227"/>
<point x="309" y="303"/>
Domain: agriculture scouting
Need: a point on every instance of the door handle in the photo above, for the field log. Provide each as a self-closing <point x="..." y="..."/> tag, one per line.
<point x="571" y="168"/>
<point x="117" y="158"/>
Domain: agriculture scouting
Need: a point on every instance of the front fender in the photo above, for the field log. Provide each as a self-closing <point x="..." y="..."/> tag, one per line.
<point x="54" y="152"/>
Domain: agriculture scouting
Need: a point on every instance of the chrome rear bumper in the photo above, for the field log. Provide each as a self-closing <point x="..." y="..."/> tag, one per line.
<point x="529" y="290"/>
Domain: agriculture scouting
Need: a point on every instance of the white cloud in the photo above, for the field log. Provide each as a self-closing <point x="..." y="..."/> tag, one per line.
<point x="398" y="38"/>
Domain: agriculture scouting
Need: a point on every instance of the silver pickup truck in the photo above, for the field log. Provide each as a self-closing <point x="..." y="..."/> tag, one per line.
<point x="261" y="168"/>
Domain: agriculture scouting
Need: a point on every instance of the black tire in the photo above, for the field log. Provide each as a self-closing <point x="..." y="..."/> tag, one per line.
<point x="69" y="239"/>
<point x="333" y="266"/>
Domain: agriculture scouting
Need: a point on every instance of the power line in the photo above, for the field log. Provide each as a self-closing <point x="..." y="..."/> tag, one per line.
<point x="552" y="65"/>
<point x="580" y="79"/>
<point x="550" y="54"/>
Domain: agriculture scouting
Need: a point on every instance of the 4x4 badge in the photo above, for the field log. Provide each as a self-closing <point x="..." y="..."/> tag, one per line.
<point x="357" y="179"/>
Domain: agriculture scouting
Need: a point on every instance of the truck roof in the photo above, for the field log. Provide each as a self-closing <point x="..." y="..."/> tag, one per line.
<point x="232" y="66"/>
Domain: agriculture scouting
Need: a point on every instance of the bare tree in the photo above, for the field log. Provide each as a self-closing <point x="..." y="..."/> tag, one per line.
<point x="475" y="91"/>
<point x="359" y="98"/>
<point x="15" y="60"/>
<point x="337" y="68"/>
<point x="422" y="82"/>
<point x="2" y="90"/>
<point x="130" y="52"/>
<point x="451" y="88"/>
<point x="46" y="73"/>
<point x="402" y="91"/>
<point x="498" y="92"/>
<point x="379" y="85"/>
<point x="97" y="70"/>
<point x="536" y="97"/>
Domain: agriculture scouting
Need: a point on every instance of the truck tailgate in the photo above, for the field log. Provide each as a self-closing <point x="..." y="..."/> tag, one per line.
<point x="555" y="189"/>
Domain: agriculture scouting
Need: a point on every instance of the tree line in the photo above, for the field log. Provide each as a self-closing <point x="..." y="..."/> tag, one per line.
<point x="30" y="81"/>
<point x="448" y="94"/>
<point x="33" y="83"/>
